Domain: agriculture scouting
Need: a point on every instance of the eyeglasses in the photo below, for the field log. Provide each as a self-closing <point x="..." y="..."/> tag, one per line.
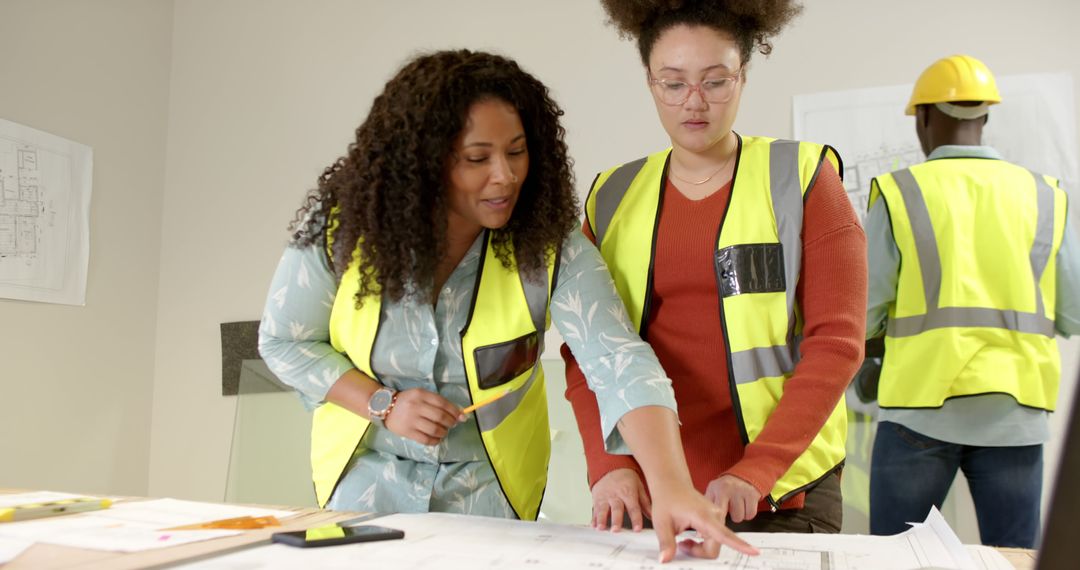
<point x="713" y="90"/>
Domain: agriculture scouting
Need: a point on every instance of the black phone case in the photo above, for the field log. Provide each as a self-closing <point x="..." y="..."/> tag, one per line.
<point x="298" y="539"/>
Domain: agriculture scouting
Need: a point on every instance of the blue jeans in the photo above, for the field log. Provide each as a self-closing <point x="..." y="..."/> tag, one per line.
<point x="910" y="472"/>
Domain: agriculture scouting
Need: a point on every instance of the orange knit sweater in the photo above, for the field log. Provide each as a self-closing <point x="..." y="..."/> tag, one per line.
<point x="685" y="332"/>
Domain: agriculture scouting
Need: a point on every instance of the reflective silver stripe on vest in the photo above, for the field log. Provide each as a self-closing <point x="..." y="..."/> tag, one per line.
<point x="787" y="202"/>
<point x="614" y="188"/>
<point x="536" y="295"/>
<point x="788" y="208"/>
<point x="1044" y="237"/>
<point x="764" y="362"/>
<point x="926" y="248"/>
<point x="925" y="245"/>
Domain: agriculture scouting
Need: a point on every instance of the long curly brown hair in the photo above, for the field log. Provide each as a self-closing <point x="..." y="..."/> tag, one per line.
<point x="751" y="22"/>
<point x="390" y="187"/>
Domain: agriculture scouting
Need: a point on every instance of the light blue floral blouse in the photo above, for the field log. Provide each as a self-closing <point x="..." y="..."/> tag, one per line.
<point x="419" y="346"/>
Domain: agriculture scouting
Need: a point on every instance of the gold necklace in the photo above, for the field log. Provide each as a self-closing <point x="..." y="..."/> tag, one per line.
<point x="710" y="177"/>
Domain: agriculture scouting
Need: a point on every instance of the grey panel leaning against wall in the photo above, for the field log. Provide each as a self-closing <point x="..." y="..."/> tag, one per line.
<point x="242" y="370"/>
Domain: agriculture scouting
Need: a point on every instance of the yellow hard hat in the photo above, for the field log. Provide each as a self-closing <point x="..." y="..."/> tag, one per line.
<point x="954" y="78"/>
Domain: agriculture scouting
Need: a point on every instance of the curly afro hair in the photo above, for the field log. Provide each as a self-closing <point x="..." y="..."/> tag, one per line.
<point x="389" y="190"/>
<point x="751" y="22"/>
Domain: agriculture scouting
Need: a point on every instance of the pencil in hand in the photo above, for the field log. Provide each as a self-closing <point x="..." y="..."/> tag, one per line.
<point x="483" y="403"/>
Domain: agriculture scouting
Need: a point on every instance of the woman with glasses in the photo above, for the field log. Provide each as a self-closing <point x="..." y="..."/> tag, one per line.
<point x="422" y="273"/>
<point x="741" y="261"/>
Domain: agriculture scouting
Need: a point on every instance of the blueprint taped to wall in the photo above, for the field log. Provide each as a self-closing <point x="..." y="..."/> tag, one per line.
<point x="1033" y="126"/>
<point x="45" y="184"/>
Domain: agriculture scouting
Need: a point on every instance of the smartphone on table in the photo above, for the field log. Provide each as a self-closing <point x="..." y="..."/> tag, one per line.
<point x="330" y="535"/>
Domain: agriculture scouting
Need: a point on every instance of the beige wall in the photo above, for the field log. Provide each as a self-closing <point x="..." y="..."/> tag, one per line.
<point x="258" y="97"/>
<point x="76" y="383"/>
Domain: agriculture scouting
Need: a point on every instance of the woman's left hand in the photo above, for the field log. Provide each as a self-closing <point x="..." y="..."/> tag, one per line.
<point x="735" y="497"/>
<point x="679" y="507"/>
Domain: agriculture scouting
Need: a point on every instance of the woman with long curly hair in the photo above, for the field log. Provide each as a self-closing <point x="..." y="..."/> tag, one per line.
<point x="742" y="263"/>
<point x="421" y="275"/>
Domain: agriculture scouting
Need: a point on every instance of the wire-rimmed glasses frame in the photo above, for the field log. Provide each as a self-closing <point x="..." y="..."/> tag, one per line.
<point x="715" y="90"/>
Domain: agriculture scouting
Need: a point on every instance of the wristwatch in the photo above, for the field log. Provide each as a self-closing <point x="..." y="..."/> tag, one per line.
<point x="380" y="404"/>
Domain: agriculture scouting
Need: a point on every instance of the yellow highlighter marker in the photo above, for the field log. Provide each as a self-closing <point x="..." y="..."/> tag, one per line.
<point x="52" y="508"/>
<point x="483" y="403"/>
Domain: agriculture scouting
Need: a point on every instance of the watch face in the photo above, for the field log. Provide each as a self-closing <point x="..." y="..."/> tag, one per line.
<point x="380" y="400"/>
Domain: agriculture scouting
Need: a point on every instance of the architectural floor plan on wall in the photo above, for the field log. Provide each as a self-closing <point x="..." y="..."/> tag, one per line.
<point x="45" y="184"/>
<point x="1033" y="126"/>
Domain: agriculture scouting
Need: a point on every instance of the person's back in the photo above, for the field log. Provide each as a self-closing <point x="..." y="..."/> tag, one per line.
<point x="982" y="234"/>
<point x="973" y="269"/>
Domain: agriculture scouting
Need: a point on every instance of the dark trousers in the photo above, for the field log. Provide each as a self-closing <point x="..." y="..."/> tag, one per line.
<point x="911" y="472"/>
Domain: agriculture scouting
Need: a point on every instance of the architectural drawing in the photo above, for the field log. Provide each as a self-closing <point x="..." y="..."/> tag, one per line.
<point x="449" y="542"/>
<point x="22" y="207"/>
<point x="45" y="184"/>
<point x="1033" y="127"/>
<point x="861" y="167"/>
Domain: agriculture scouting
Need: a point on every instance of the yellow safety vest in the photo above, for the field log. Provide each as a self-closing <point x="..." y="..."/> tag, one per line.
<point x="501" y="344"/>
<point x="855" y="486"/>
<point x="757" y="262"/>
<point x="974" y="308"/>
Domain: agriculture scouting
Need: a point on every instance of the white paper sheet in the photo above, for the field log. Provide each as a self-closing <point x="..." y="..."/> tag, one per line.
<point x="165" y="513"/>
<point x="134" y="526"/>
<point x="453" y="541"/>
<point x="45" y="185"/>
<point x="99" y="533"/>
<point x="12" y="547"/>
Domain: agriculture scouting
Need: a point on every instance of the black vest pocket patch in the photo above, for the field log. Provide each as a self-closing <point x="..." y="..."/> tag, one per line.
<point x="750" y="268"/>
<point x="497" y="364"/>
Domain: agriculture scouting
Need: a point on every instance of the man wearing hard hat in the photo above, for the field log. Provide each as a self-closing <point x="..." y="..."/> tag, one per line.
<point x="973" y="269"/>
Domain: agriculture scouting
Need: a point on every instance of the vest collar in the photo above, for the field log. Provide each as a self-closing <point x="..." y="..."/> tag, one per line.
<point x="964" y="151"/>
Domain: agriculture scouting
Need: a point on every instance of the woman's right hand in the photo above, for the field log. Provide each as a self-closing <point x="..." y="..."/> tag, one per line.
<point x="620" y="491"/>
<point x="422" y="416"/>
<point x="680" y="507"/>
